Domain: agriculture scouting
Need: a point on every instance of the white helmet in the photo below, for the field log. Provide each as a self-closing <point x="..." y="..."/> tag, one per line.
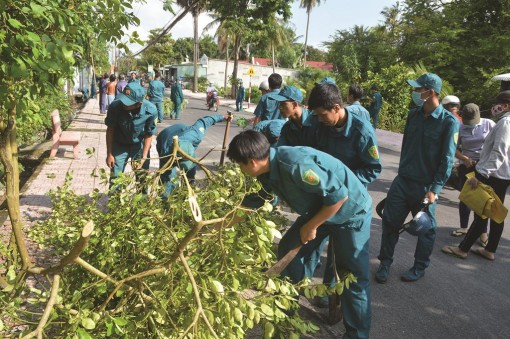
<point x="264" y="85"/>
<point x="450" y="99"/>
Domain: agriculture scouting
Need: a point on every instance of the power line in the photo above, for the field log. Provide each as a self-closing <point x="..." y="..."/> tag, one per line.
<point x="181" y="14"/>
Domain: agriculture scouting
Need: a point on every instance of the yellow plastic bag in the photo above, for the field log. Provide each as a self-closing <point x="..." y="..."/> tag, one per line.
<point x="483" y="201"/>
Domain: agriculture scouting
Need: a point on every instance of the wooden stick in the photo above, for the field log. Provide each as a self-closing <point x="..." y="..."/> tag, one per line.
<point x="225" y="140"/>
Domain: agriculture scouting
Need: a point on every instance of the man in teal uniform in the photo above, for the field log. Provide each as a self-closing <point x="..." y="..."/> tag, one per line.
<point x="330" y="201"/>
<point x="301" y="127"/>
<point x="271" y="129"/>
<point x="428" y="150"/>
<point x="344" y="135"/>
<point x="156" y="92"/>
<point x="375" y="106"/>
<point x="130" y="127"/>
<point x="267" y="108"/>
<point x="353" y="97"/>
<point x="132" y="78"/>
<point x="189" y="139"/>
<point x="177" y="97"/>
<point x="240" y="97"/>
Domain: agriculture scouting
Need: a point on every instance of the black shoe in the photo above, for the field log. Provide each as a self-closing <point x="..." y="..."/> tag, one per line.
<point x="381" y="276"/>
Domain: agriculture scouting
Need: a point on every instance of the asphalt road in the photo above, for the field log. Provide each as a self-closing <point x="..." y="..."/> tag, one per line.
<point x="455" y="299"/>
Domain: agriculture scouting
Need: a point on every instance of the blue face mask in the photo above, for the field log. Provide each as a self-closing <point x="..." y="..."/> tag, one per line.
<point x="418" y="101"/>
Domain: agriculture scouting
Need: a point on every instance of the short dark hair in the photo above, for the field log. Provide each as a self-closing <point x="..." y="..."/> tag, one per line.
<point x="157" y="75"/>
<point x="374" y="88"/>
<point x="275" y="81"/>
<point x="325" y="96"/>
<point x="122" y="77"/>
<point x="356" y="91"/>
<point x="113" y="77"/>
<point x="248" y="145"/>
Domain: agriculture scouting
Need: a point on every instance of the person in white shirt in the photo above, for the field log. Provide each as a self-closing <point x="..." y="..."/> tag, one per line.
<point x="492" y="169"/>
<point x="472" y="134"/>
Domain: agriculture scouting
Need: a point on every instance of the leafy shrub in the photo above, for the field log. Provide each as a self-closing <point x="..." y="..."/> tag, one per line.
<point x="256" y="94"/>
<point x="396" y="95"/>
<point x="36" y="126"/>
<point x="163" y="280"/>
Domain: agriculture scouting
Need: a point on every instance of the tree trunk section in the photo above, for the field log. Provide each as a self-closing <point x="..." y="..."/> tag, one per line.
<point x="237" y="47"/>
<point x="306" y="37"/>
<point x="226" y="69"/>
<point x="273" y="61"/>
<point x="9" y="158"/>
<point x="195" y="50"/>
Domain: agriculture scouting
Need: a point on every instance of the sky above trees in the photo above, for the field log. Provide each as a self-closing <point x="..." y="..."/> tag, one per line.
<point x="326" y="19"/>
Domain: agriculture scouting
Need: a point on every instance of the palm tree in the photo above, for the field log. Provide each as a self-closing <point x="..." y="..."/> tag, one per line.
<point x="196" y="6"/>
<point x="223" y="34"/>
<point x="309" y="5"/>
<point x="277" y="36"/>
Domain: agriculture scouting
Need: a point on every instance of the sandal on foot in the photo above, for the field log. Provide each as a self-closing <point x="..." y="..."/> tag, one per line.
<point x="484" y="239"/>
<point x="459" y="232"/>
<point x="483" y="253"/>
<point x="454" y="251"/>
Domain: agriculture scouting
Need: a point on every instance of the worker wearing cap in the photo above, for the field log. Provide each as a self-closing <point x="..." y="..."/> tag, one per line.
<point x="177" y="97"/>
<point x="353" y="97"/>
<point x="346" y="136"/>
<point x="189" y="138"/>
<point x="156" y="92"/>
<point x="271" y="129"/>
<point x="132" y="78"/>
<point x="300" y="129"/>
<point x="240" y="97"/>
<point x="264" y="87"/>
<point x="267" y="108"/>
<point x="130" y="122"/>
<point x="375" y="105"/>
<point x="330" y="201"/>
<point x="452" y="105"/>
<point x="428" y="150"/>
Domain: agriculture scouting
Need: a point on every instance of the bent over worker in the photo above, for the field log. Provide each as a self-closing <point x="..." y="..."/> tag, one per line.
<point x="131" y="125"/>
<point x="330" y="201"/>
<point x="190" y="138"/>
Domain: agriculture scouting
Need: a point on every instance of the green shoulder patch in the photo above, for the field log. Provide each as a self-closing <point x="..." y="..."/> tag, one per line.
<point x="202" y="130"/>
<point x="374" y="153"/>
<point x="456" y="137"/>
<point x="311" y="178"/>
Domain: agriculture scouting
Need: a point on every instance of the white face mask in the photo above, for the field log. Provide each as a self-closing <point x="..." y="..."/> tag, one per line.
<point x="498" y="109"/>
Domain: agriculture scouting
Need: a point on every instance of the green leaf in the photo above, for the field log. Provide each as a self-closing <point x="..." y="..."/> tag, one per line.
<point x="266" y="310"/>
<point x="120" y="321"/>
<point x="15" y="23"/>
<point x="88" y="323"/>
<point x="82" y="334"/>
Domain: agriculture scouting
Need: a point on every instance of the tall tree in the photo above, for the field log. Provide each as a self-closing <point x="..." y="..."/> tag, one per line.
<point x="249" y="16"/>
<point x="161" y="52"/>
<point x="40" y="43"/>
<point x="309" y="5"/>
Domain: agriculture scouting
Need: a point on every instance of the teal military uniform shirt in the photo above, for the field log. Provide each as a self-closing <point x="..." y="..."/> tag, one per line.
<point x="177" y="92"/>
<point x="428" y="147"/>
<point x="156" y="91"/>
<point x="131" y="127"/>
<point x="193" y="134"/>
<point x="271" y="129"/>
<point x="354" y="144"/>
<point x="268" y="108"/>
<point x="305" y="135"/>
<point x="376" y="104"/>
<point x="308" y="179"/>
<point x="356" y="108"/>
